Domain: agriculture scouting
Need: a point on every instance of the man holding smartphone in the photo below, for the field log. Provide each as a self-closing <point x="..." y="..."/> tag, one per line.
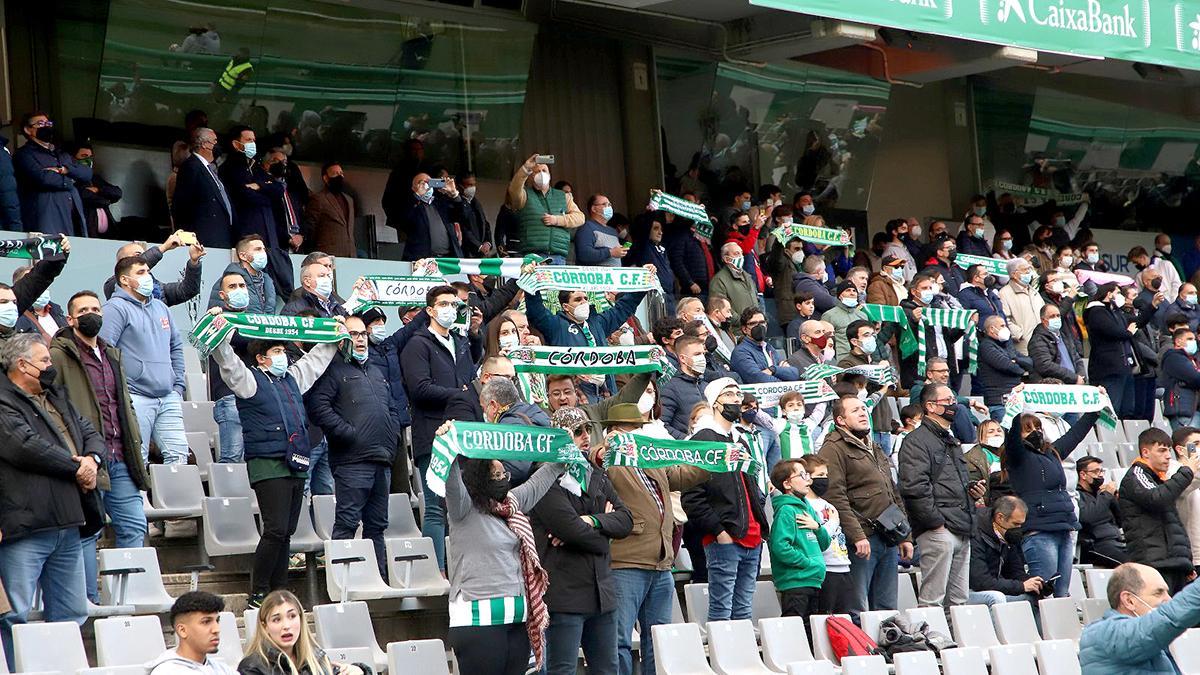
<point x="432" y="220"/>
<point x="545" y="215"/>
<point x="997" y="563"/>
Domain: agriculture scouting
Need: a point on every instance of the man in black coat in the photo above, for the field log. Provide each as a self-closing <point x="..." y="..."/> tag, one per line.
<point x="315" y="293"/>
<point x="97" y="195"/>
<point x="1154" y="532"/>
<point x="352" y="405"/>
<point x="1100" y="538"/>
<point x="432" y="220"/>
<point x="49" y="463"/>
<point x="437" y="364"/>
<point x="573" y="525"/>
<point x="477" y="230"/>
<point x="1001" y="366"/>
<point x="252" y="191"/>
<point x="1052" y="351"/>
<point x="200" y="203"/>
<point x="997" y="564"/>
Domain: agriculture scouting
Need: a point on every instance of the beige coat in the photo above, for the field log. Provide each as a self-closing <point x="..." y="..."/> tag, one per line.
<point x="1023" y="308"/>
<point x="1188" y="506"/>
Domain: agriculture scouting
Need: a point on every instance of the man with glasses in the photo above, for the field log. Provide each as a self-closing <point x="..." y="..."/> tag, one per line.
<point x="46" y="177"/>
<point x="597" y="242"/>
<point x="734" y="282"/>
<point x="352" y="405"/>
<point x="963" y="425"/>
<point x="754" y="359"/>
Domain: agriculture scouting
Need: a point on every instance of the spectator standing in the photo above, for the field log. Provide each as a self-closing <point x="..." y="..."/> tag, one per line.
<point x="195" y="618"/>
<point x="782" y="263"/>
<point x="141" y="326"/>
<point x="431" y="220"/>
<point x="43" y="317"/>
<point x="683" y="391"/>
<point x="1154" y="532"/>
<point x="1001" y="367"/>
<point x="887" y="287"/>
<point x="49" y="463"/>
<point x="1021" y="302"/>
<point x="1111" y="333"/>
<point x="973" y="239"/>
<point x="838" y="593"/>
<point x="812" y="279"/>
<point x="646" y="233"/>
<point x="316" y="292"/>
<point x="939" y="341"/>
<point x="941" y="261"/>
<point x="478" y="235"/>
<point x="174" y="292"/>
<point x="997" y="567"/>
<point x="545" y="215"/>
<point x="734" y="283"/>
<point x="16" y="299"/>
<point x="1053" y="354"/>
<point x="596" y="242"/>
<point x="1060" y="290"/>
<point x="200" y="203"/>
<point x="1101" y="542"/>
<point x="330" y="214"/>
<point x="91" y="374"/>
<point x="46" y="178"/>
<point x="234" y="297"/>
<point x="797" y="540"/>
<point x="1185" y="443"/>
<point x="1166" y="266"/>
<point x="96" y="194"/>
<point x="252" y="191"/>
<point x="847" y="311"/>
<point x="251" y="264"/>
<point x="899" y="234"/>
<point x="980" y="293"/>
<point x="10" y="202"/>
<point x="1180" y="380"/>
<point x="691" y="258"/>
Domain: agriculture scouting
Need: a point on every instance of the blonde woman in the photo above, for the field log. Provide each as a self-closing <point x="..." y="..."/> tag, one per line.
<point x="283" y="645"/>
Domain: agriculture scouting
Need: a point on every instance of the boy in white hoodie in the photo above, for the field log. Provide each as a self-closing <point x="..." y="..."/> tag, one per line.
<point x="195" y="616"/>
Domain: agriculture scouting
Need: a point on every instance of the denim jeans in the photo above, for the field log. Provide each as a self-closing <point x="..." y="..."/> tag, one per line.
<point x="362" y="496"/>
<point x="320" y="478"/>
<point x="1048" y="554"/>
<point x="996" y="412"/>
<point x="161" y="420"/>
<point x="644" y="598"/>
<point x="732" y="571"/>
<point x="433" y="525"/>
<point x="875" y="578"/>
<point x="595" y="633"/>
<point x="229" y="425"/>
<point x="53" y="560"/>
<point x="557" y="259"/>
<point x="990" y="598"/>
<point x="1121" y="392"/>
<point x="123" y="503"/>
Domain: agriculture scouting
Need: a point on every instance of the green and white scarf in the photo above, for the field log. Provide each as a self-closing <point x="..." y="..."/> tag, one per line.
<point x="992" y="265"/>
<point x="587" y="360"/>
<point x="533" y="388"/>
<point x="768" y="393"/>
<point x="35" y="248"/>
<point x="661" y="201"/>
<point x="508" y="268"/>
<point x="1059" y="399"/>
<point x="386" y="290"/>
<point x="1033" y="196"/>
<point x="589" y="279"/>
<point x="497" y="441"/>
<point x="645" y="452"/>
<point x="894" y="314"/>
<point x="826" y="236"/>
<point x="878" y="373"/>
<point x="213" y="329"/>
<point x="959" y="319"/>
<point x="796" y="440"/>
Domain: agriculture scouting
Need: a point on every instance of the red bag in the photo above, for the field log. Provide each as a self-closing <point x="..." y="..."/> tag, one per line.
<point x="846" y="639"/>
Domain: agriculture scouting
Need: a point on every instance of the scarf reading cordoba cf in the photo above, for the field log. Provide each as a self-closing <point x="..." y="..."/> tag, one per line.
<point x="507" y="268"/>
<point x="594" y="360"/>
<point x="213" y="329"/>
<point x="386" y="290"/>
<point x="589" y="279"/>
<point x="693" y="211"/>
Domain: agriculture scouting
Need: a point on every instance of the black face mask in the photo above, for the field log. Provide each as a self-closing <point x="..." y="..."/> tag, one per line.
<point x="951" y="256"/>
<point x="44" y="134"/>
<point x="278" y="170"/>
<point x="732" y="412"/>
<point x="46" y="377"/>
<point x="1014" y="536"/>
<point x="89" y="324"/>
<point x="497" y="489"/>
<point x="710" y="343"/>
<point x="989" y="281"/>
<point x="758" y="333"/>
<point x="1034" y="440"/>
<point x="1140" y="267"/>
<point x="749" y="415"/>
<point x="1155" y="284"/>
<point x="819" y="486"/>
<point x="336" y="184"/>
<point x="949" y="411"/>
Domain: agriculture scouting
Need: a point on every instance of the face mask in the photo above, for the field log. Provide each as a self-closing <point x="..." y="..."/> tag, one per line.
<point x="582" y="311"/>
<point x="1056" y="287"/>
<point x="699" y="363"/>
<point x="1093" y="258"/>
<point x="89" y="324"/>
<point x="798" y="258"/>
<point x="607" y="213"/>
<point x="869" y="344"/>
<point x="850" y="302"/>
<point x="980" y="211"/>
<point x="239" y="298"/>
<point x="1190" y="298"/>
<point x="1119" y="300"/>
<point x="1190" y="347"/>
<point x="1060" y="221"/>
<point x="378" y="332"/>
<point x="819" y="486"/>
<point x="469" y="193"/>
<point x="926" y="296"/>
<point x="625" y="339"/>
<point x="497" y="489"/>
<point x="1034" y="439"/>
<point x="979" y="234"/>
<point x="145" y="285"/>
<point x="736" y="263"/>
<point x="278" y="365"/>
<point x="1166" y="249"/>
<point x="916" y="231"/>
<point x="1006" y="244"/>
<point x="795" y="416"/>
<point x="541" y="179"/>
<point x="1066" y="261"/>
<point x="808" y="210"/>
<point x="993" y="442"/>
<point x="324" y="286"/>
<point x="758" y="333"/>
<point x="748" y="416"/>
<point x="8" y="314"/>
<point x="746" y="205"/>
<point x="1156" y="284"/>
<point x="250" y="149"/>
<point x="336" y="184"/>
<point x="44" y="134"/>
<point x="42" y="301"/>
<point x="259" y="261"/>
<point x="509" y="341"/>
<point x="732" y="412"/>
<point x="446" y="316"/>
<point x="1139" y="266"/>
<point x="820" y="341"/>
<point x="897" y="273"/>
<point x="1003" y="334"/>
<point x="786" y="220"/>
<point x="646" y="403"/>
<point x="359" y="357"/>
<point x="46" y="377"/>
<point x="1055" y="324"/>
<point x="1014" y="536"/>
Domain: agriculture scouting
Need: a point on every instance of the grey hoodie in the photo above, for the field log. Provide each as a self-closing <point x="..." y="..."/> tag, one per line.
<point x="171" y="663"/>
<point x="149" y="342"/>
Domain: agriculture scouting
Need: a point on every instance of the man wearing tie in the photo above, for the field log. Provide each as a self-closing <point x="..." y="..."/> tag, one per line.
<point x="201" y="204"/>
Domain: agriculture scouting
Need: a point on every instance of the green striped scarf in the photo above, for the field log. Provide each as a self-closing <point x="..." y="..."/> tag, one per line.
<point x="587" y="360"/>
<point x="593" y="279"/>
<point x="959" y="319"/>
<point x="213" y="329"/>
<point x="661" y="201"/>
<point x="35" y="248"/>
<point x="894" y="314"/>
<point x="645" y="452"/>
<point x="992" y="265"/>
<point x="1059" y="399"/>
<point x="825" y="236"/>
<point x="508" y="268"/>
<point x="386" y="290"/>
<point x="878" y="373"/>
<point x="768" y="393"/>
<point x="497" y="441"/>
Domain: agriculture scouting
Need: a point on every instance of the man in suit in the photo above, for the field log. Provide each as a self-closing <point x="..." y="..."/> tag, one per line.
<point x="477" y="231"/>
<point x="251" y="190"/>
<point x="330" y="215"/>
<point x="201" y="204"/>
<point x="46" y="177"/>
<point x="431" y="221"/>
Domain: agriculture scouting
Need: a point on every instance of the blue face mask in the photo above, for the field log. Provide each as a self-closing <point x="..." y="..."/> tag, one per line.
<point x="1007" y="244"/>
<point x="869" y="344"/>
<point x="259" y="261"/>
<point x="981" y="211"/>
<point x="1190" y="347"/>
<point x="1056" y="324"/>
<point x="808" y="209"/>
<point x="850" y="302"/>
<point x="42" y="301"/>
<point x="145" y="286"/>
<point x="746" y="205"/>
<point x="1027" y="278"/>
<point x="250" y="149"/>
<point x="607" y="213"/>
<point x="324" y="286"/>
<point x="359" y="357"/>
<point x="8" y="314"/>
<point x="926" y="296"/>
<point x="278" y="365"/>
<point x="239" y="298"/>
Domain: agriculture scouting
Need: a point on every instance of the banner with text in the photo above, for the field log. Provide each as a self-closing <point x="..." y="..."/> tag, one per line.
<point x="590" y="279"/>
<point x="587" y="360"/>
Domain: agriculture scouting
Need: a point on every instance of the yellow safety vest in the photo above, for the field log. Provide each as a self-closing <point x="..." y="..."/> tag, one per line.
<point x="229" y="78"/>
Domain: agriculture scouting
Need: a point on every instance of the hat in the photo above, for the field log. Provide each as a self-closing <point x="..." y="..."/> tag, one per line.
<point x="714" y="389"/>
<point x="624" y="413"/>
<point x="844" y="286"/>
<point x="893" y="260"/>
<point x="569" y="418"/>
<point x="372" y="315"/>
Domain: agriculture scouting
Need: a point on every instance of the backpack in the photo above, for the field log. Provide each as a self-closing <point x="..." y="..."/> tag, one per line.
<point x="898" y="635"/>
<point x="846" y="639"/>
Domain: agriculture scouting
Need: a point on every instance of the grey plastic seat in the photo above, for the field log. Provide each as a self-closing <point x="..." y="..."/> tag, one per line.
<point x="1013" y="660"/>
<point x="1076" y="590"/>
<point x="821" y="667"/>
<point x="137" y="582"/>
<point x="230" y="648"/>
<point x="869" y="621"/>
<point x="934" y="616"/>
<point x="1060" y="619"/>
<point x="915" y="663"/>
<point x="964" y="661"/>
<point x="678" y="650"/>
<point x="973" y="626"/>
<point x="198" y="416"/>
<point x="1015" y="624"/>
<point x="1059" y="657"/>
<point x="229" y="527"/>
<point x="197" y="386"/>
<point x="733" y="649"/>
<point x="55" y="647"/>
<point x="784" y="641"/>
<point x="820" y="638"/>
<point x="348" y="624"/>
<point x="305" y="539"/>
<point x="412" y="567"/>
<point x="201" y="446"/>
<point x="351" y="572"/>
<point x="401" y="522"/>
<point x="323" y="507"/>
<point x="101" y="611"/>
<point x="766" y="602"/>
<point x="231" y="480"/>
<point x="250" y="622"/>
<point x="695" y="597"/>
<point x="177" y="492"/>
<point x="128" y="640"/>
<point x="864" y="665"/>
<point x="1097" y="582"/>
<point x="1186" y="651"/>
<point x="351" y="655"/>
<point x="1094" y="609"/>
<point x="427" y="657"/>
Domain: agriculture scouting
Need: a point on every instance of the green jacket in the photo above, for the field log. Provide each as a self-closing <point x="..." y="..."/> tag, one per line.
<point x="796" y="559"/>
<point x="72" y="376"/>
<point x="741" y="293"/>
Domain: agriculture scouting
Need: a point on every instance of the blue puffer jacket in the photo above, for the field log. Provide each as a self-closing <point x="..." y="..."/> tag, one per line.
<point x="1001" y="368"/>
<point x="678" y="396"/>
<point x="1120" y="644"/>
<point x="1180" y="377"/>
<point x="1039" y="479"/>
<point x="688" y="260"/>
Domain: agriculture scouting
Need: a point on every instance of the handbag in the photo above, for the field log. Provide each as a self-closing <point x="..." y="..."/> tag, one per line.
<point x="891" y="525"/>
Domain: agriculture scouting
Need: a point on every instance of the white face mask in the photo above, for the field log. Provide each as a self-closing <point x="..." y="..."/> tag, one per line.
<point x="1166" y="249"/>
<point x="469" y="193"/>
<point x="993" y="441"/>
<point x="582" y="311"/>
<point x="646" y="403"/>
<point x="795" y="416"/>
<point x="1003" y="334"/>
<point x="509" y="341"/>
<point x="698" y="364"/>
<point x="625" y="339"/>
<point x="446" y="316"/>
<point x="541" y="179"/>
<point x="1119" y="300"/>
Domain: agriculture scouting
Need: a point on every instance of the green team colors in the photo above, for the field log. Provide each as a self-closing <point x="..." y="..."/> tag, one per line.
<point x="992" y="265"/>
<point x="826" y="236"/>
<point x="1034" y="196"/>
<point x="391" y="291"/>
<point x="950" y="318"/>
<point x="644" y="452"/>
<point x="31" y="249"/>
<point x="662" y="201"/>
<point x="591" y="279"/>
<point x="1059" y="399"/>
<point x="587" y="360"/>
<point x="875" y="372"/>
<point x="894" y="314"/>
<point x="768" y="393"/>
<point x="509" y="268"/>
<point x="1164" y="32"/>
<point x="213" y="329"/>
<point x="497" y="441"/>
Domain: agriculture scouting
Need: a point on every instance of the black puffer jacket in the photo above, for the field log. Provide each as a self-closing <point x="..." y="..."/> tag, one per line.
<point x="353" y="405"/>
<point x="1154" y="532"/>
<point x="1001" y="368"/>
<point x="933" y="481"/>
<point x="996" y="565"/>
